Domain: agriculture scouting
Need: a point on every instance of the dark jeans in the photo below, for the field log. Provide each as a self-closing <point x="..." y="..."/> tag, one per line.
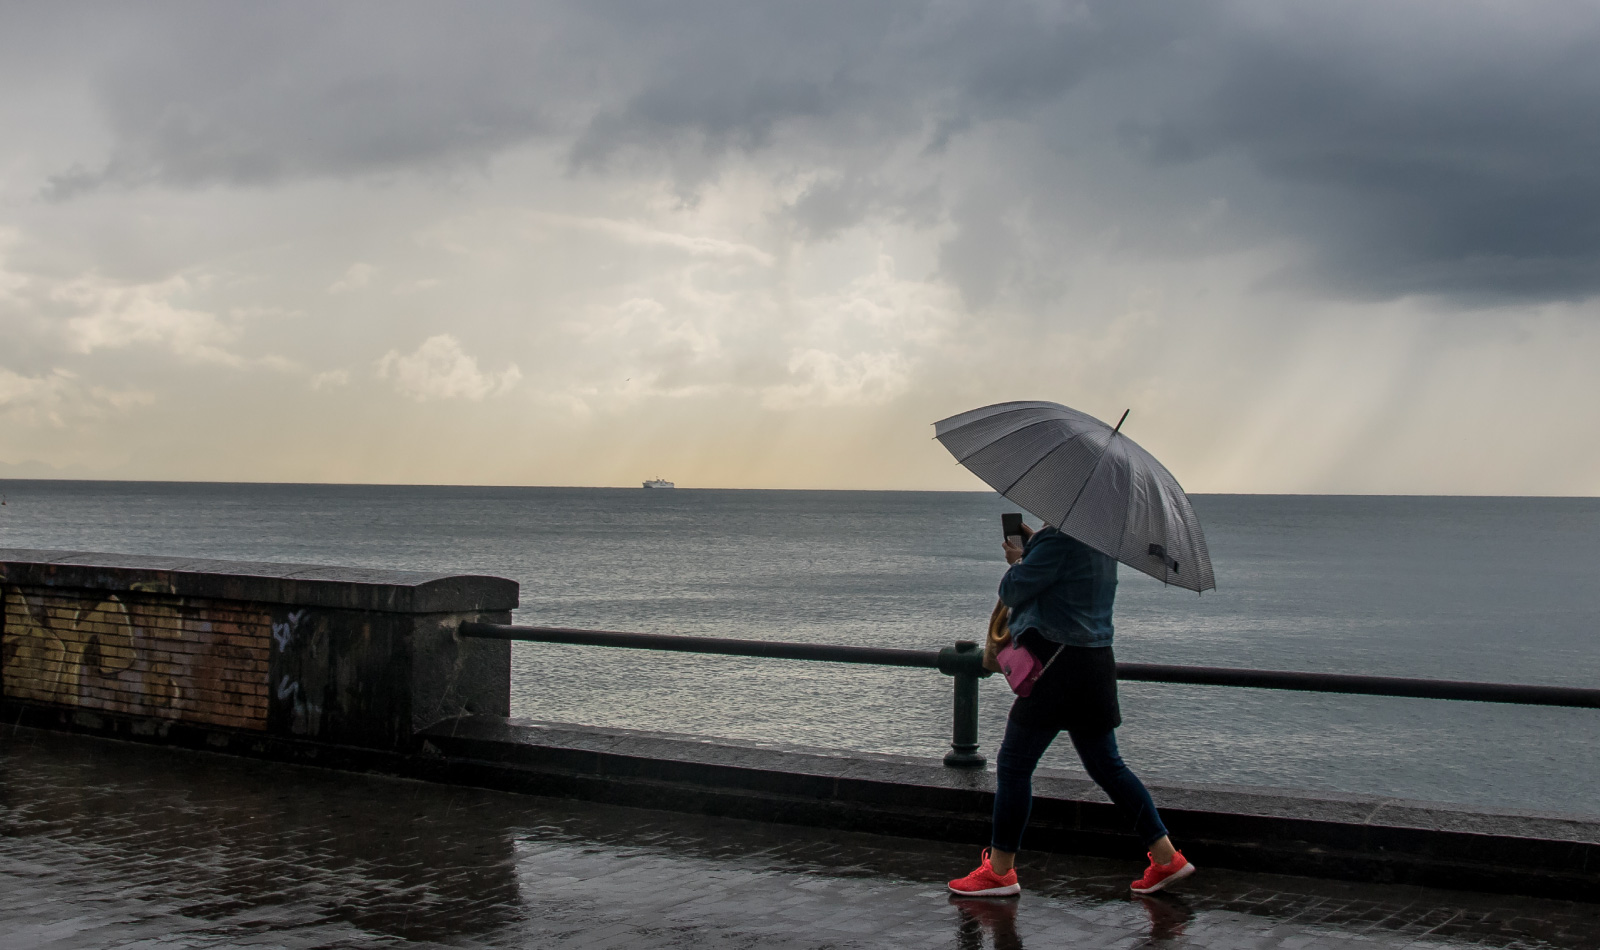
<point x="1013" y="794"/>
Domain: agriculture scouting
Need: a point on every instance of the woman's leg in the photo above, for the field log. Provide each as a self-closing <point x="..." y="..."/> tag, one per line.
<point x="1104" y="764"/>
<point x="1013" y="789"/>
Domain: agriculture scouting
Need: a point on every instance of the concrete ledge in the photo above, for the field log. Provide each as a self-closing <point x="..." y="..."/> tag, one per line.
<point x="303" y="585"/>
<point x="1334" y="836"/>
<point x="1338" y="836"/>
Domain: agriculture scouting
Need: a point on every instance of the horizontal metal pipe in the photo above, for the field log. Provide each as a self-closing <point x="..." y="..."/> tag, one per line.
<point x="877" y="656"/>
<point x="1363" y="685"/>
<point x="1142" y="672"/>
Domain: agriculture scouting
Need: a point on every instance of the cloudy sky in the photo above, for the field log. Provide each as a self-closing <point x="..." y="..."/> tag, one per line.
<point x="1314" y="247"/>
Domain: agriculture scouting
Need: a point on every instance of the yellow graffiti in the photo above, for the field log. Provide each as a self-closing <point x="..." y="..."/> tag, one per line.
<point x="110" y="645"/>
<point x="89" y="654"/>
<point x="31" y="644"/>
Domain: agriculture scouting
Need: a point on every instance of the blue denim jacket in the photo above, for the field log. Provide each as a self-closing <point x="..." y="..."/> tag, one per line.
<point x="1063" y="588"/>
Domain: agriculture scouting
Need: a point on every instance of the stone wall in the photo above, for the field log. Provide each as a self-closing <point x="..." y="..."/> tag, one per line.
<point x="346" y="656"/>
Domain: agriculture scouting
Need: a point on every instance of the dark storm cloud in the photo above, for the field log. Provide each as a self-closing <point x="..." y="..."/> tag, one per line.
<point x="1433" y="148"/>
<point x="257" y="94"/>
<point x="724" y="75"/>
<point x="1449" y="153"/>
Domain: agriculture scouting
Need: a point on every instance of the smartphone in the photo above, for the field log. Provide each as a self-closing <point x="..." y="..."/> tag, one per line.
<point x="1011" y="525"/>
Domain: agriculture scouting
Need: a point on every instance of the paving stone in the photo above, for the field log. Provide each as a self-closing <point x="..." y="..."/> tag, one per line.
<point x="112" y="845"/>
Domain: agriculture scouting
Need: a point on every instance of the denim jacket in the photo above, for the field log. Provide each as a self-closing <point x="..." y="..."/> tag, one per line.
<point x="1063" y="588"/>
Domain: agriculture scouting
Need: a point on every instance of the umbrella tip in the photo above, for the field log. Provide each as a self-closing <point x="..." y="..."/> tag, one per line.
<point x="1121" y="421"/>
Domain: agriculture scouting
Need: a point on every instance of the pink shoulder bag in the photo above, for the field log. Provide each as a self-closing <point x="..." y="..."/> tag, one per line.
<point x="1021" y="668"/>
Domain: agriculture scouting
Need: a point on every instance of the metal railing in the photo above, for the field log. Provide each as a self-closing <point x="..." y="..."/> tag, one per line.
<point x="964" y="663"/>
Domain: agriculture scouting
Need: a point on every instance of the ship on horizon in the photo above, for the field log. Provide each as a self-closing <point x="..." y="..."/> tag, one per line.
<point x="659" y="482"/>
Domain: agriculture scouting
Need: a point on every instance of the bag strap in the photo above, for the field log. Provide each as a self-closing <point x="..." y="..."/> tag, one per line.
<point x="1042" y="669"/>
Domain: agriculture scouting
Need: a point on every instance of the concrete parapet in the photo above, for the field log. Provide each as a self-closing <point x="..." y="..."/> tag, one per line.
<point x="342" y="656"/>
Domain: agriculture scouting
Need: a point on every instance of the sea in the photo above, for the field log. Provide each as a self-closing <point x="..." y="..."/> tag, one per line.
<point x="1490" y="589"/>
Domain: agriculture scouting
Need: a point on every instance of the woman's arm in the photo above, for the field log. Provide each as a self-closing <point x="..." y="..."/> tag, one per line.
<point x="1031" y="576"/>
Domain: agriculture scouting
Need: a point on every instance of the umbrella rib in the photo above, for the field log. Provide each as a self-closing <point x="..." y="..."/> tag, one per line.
<point x="1087" y="479"/>
<point x="962" y="459"/>
<point x="1036" y="462"/>
<point x="1006" y="406"/>
<point x="1122" y="536"/>
<point x="1031" y="466"/>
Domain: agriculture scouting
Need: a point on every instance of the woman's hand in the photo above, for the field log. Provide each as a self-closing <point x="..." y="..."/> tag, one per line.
<point x="1014" y="551"/>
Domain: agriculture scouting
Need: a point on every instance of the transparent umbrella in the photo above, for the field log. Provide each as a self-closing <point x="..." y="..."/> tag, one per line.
<point x="1073" y="471"/>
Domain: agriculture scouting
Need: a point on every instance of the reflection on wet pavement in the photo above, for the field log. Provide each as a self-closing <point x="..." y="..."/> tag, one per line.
<point x="106" y="844"/>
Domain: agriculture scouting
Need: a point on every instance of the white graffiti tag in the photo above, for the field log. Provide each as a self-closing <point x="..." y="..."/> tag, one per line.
<point x="283" y="633"/>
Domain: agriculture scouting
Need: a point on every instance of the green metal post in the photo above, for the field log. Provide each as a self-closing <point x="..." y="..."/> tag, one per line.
<point x="964" y="662"/>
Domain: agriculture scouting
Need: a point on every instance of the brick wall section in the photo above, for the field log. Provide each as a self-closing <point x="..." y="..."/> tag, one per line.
<point x="188" y="659"/>
<point x="152" y="646"/>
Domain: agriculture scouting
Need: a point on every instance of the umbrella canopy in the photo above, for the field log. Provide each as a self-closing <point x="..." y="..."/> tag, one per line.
<point x="1073" y="471"/>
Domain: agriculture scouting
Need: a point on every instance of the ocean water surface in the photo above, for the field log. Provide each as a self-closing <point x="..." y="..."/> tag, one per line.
<point x="1495" y="589"/>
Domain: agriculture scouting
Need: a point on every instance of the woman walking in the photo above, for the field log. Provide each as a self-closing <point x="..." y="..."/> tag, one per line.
<point x="1060" y="592"/>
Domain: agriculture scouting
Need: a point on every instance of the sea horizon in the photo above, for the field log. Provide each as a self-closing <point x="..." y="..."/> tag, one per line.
<point x="931" y="491"/>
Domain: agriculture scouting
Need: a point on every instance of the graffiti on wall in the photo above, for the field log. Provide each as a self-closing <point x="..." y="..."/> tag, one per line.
<point x="140" y="652"/>
<point x="293" y="637"/>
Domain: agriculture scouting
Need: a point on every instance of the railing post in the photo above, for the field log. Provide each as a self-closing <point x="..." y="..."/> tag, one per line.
<point x="964" y="662"/>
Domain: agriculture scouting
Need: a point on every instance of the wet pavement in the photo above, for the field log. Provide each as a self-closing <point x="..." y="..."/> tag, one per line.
<point x="106" y="844"/>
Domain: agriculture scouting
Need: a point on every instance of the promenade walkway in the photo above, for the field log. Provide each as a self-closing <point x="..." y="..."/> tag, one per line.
<point x="111" y="845"/>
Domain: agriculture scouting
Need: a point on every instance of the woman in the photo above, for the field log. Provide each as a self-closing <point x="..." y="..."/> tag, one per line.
<point x="1060" y="592"/>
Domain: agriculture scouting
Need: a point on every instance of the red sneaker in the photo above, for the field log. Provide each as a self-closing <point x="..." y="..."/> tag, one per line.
<point x="1158" y="876"/>
<point x="984" y="882"/>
